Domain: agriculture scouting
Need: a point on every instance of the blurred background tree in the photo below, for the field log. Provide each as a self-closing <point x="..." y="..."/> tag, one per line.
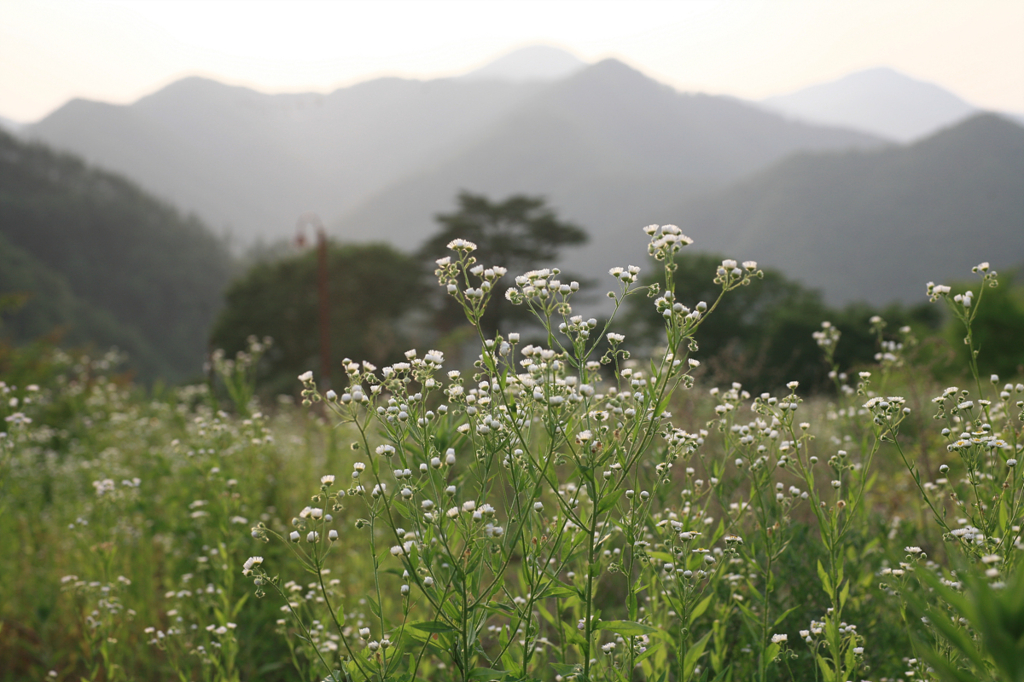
<point x="373" y="290"/>
<point x="761" y="335"/>
<point x="998" y="327"/>
<point x="520" y="233"/>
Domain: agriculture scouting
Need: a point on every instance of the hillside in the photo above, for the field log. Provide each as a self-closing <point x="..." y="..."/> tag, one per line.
<point x="609" y="147"/>
<point x="89" y="251"/>
<point x="878" y="225"/>
<point x="252" y="163"/>
<point x="879" y="101"/>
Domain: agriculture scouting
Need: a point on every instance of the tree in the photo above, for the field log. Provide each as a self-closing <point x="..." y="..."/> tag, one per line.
<point x="761" y="335"/>
<point x="998" y="327"/>
<point x="520" y="233"/>
<point x="371" y="288"/>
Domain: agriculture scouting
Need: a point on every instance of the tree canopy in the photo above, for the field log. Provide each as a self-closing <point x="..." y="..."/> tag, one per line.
<point x="371" y="287"/>
<point x="519" y="233"/>
<point x="761" y="335"/>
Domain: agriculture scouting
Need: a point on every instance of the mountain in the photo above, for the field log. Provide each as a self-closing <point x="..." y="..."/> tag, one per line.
<point x="879" y="101"/>
<point x="88" y="251"/>
<point x="877" y="225"/>
<point x="535" y="63"/>
<point x="253" y="163"/>
<point x="610" y="148"/>
<point x="10" y="126"/>
<point x="37" y="301"/>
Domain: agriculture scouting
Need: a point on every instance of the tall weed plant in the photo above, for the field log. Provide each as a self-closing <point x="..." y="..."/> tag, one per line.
<point x="558" y="511"/>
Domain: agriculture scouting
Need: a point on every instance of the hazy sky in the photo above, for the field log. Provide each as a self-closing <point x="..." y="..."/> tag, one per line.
<point x="51" y="51"/>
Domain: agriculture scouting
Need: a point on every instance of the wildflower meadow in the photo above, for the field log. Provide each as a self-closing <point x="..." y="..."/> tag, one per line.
<point x="550" y="507"/>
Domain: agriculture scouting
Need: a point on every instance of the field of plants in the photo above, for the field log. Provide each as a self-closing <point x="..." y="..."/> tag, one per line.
<point x="556" y="510"/>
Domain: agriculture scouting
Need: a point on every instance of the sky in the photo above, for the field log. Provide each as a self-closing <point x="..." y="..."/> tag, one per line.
<point x="118" y="51"/>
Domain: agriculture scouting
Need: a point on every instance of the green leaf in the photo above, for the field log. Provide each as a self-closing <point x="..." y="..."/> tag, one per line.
<point x="556" y="589"/>
<point x="609" y="501"/>
<point x="431" y="626"/>
<point x="772" y="652"/>
<point x="785" y="613"/>
<point x="826" y="584"/>
<point x="827" y="674"/>
<point x="722" y="675"/>
<point x="844" y="594"/>
<point x="693" y="655"/>
<point x="626" y="628"/>
<point x="700" y="608"/>
<point x="572" y="635"/>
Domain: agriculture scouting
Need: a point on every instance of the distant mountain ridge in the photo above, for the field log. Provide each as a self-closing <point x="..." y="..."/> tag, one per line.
<point x="609" y="147"/>
<point x="879" y="101"/>
<point x="877" y="225"/>
<point x="534" y="63"/>
<point x="253" y="163"/>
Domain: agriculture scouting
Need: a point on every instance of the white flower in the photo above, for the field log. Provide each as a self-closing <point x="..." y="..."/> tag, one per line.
<point x="779" y="639"/>
<point x="251" y="563"/>
<point x="461" y="245"/>
<point x="327" y="479"/>
<point x="306" y="377"/>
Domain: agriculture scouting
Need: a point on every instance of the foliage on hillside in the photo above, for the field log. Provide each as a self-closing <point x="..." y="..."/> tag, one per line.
<point x="118" y="266"/>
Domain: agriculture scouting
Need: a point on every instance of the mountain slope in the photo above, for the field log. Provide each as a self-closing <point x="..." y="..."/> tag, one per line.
<point x="880" y="101"/>
<point x="878" y="225"/>
<point x="116" y="250"/>
<point x="534" y="63"/>
<point x="36" y="301"/>
<point x="253" y="162"/>
<point x="610" y="148"/>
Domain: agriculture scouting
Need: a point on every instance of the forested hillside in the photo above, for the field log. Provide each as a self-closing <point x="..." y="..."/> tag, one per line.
<point x="88" y="251"/>
<point x="876" y="225"/>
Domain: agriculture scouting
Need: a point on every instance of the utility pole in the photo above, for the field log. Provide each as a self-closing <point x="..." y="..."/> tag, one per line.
<point x="323" y="293"/>
<point x="323" y="297"/>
